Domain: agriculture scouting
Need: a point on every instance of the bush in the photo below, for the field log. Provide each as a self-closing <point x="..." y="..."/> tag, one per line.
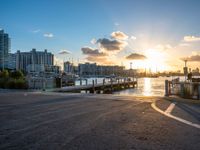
<point x="16" y="75"/>
<point x="20" y="84"/>
<point x="4" y="74"/>
<point x="14" y="80"/>
<point x="10" y="84"/>
<point x="2" y="83"/>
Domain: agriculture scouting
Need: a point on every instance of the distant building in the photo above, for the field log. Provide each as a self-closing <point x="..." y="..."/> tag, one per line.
<point x="68" y="67"/>
<point x="87" y="69"/>
<point x="4" y="49"/>
<point x="110" y="70"/>
<point x="92" y="69"/>
<point x="34" y="59"/>
<point x="11" y="63"/>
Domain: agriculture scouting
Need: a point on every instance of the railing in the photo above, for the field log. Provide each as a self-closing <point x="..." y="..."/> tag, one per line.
<point x="183" y="89"/>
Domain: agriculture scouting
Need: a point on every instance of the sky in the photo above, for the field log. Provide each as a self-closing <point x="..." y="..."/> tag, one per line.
<point x="155" y="34"/>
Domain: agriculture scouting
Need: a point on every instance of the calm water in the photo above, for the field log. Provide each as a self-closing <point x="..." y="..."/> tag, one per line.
<point x="146" y="86"/>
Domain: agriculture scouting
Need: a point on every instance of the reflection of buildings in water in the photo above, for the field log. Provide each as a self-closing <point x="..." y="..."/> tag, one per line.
<point x="147" y="87"/>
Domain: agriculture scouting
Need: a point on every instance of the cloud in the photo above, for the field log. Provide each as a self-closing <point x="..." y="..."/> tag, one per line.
<point x="111" y="45"/>
<point x="184" y="44"/>
<point x="64" y="52"/>
<point x="94" y="55"/>
<point x="191" y="38"/>
<point x="36" y="31"/>
<point x="48" y="35"/>
<point x="92" y="52"/>
<point x="135" y="56"/>
<point x="58" y="62"/>
<point x="133" y="38"/>
<point x="93" y="41"/>
<point x="192" y="58"/>
<point x="119" y="35"/>
<point x="163" y="47"/>
<point x="116" y="24"/>
<point x="100" y="60"/>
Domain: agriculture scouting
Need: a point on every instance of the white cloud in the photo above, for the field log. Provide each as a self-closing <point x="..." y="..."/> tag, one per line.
<point x="116" y="24"/>
<point x="36" y="31"/>
<point x="119" y="35"/>
<point x="64" y="52"/>
<point x="93" y="41"/>
<point x="163" y="47"/>
<point x="58" y="61"/>
<point x="191" y="38"/>
<point x="48" y="35"/>
<point x="184" y="44"/>
<point x="133" y="38"/>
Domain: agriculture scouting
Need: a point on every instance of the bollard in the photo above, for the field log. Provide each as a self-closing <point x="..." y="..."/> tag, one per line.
<point x="182" y="90"/>
<point x="80" y="81"/>
<point x="93" y="88"/>
<point x="103" y="88"/>
<point x="95" y="81"/>
<point x="111" y="85"/>
<point x="166" y="88"/>
<point x="199" y="91"/>
<point x="86" y="81"/>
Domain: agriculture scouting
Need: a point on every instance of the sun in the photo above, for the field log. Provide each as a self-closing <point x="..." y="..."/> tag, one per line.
<point x="155" y="61"/>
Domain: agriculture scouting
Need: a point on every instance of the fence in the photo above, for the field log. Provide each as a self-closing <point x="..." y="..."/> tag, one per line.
<point x="183" y="89"/>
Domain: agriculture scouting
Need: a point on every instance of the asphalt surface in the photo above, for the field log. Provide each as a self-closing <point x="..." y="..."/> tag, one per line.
<point x="93" y="122"/>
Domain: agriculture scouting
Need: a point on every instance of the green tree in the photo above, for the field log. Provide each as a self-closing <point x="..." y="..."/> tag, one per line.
<point x="4" y="74"/>
<point x="17" y="75"/>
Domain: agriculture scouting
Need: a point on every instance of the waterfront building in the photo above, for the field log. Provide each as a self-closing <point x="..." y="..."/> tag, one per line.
<point x="92" y="69"/>
<point x="33" y="58"/>
<point x="68" y="67"/>
<point x="110" y="70"/>
<point x="87" y="69"/>
<point x="4" y="49"/>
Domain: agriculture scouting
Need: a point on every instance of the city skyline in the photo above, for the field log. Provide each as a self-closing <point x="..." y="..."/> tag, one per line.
<point x="154" y="34"/>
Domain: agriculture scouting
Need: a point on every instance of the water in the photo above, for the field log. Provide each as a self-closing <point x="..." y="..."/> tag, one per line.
<point x="146" y="86"/>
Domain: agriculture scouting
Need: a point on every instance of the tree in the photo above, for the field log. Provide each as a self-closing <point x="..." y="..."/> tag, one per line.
<point x="17" y="75"/>
<point x="4" y="74"/>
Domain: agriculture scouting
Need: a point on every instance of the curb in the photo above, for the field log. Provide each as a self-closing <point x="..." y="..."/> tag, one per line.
<point x="179" y="99"/>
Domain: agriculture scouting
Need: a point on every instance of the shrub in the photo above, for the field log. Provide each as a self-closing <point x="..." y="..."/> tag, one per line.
<point x="10" y="84"/>
<point x="20" y="84"/>
<point x="4" y="74"/>
<point x="16" y="75"/>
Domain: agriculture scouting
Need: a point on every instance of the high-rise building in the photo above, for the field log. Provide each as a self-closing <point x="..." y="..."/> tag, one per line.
<point x="33" y="58"/>
<point x="11" y="64"/>
<point x="4" y="49"/>
<point x="68" y="67"/>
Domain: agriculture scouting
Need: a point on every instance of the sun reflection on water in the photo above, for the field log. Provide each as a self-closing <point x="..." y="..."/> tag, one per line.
<point x="147" y="87"/>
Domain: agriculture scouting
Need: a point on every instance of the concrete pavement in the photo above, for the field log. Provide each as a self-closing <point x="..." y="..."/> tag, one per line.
<point x="88" y="122"/>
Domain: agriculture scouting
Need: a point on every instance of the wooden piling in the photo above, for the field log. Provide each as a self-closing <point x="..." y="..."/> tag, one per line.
<point x="166" y="88"/>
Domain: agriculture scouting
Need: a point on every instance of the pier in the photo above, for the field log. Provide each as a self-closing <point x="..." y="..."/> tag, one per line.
<point x="100" y="88"/>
